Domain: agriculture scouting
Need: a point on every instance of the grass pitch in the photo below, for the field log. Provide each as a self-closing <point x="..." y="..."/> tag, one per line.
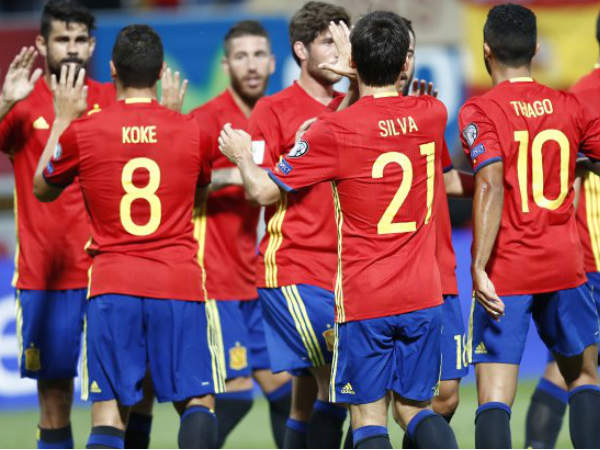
<point x="17" y="428"/>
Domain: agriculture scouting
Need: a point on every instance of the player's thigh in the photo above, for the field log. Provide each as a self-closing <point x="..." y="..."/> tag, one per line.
<point x="114" y="353"/>
<point x="417" y="354"/>
<point x="579" y="370"/>
<point x="567" y="320"/>
<point x="185" y="352"/>
<point x="298" y="323"/>
<point x="453" y="343"/>
<point x="49" y="327"/>
<point x="234" y="334"/>
<point x="363" y="365"/>
<point x="503" y="340"/>
<point x="258" y="355"/>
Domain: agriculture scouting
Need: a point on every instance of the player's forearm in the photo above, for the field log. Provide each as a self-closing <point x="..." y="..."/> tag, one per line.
<point x="41" y="189"/>
<point x="458" y="183"/>
<point x="351" y="96"/>
<point x="225" y="177"/>
<point x="5" y="107"/>
<point x="258" y="185"/>
<point x="487" y="213"/>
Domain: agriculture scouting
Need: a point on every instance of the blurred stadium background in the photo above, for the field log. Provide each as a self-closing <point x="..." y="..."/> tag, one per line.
<point x="449" y="53"/>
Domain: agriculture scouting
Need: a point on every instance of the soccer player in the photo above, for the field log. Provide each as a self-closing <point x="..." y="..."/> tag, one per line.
<point x="226" y="225"/>
<point x="146" y="307"/>
<point x="50" y="264"/>
<point x="549" y="401"/>
<point x="297" y="257"/>
<point x="388" y="290"/>
<point x="523" y="138"/>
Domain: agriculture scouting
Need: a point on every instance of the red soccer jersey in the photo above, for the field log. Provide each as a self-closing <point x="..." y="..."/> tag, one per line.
<point x="138" y="165"/>
<point x="226" y="222"/>
<point x="444" y="250"/>
<point x="588" y="209"/>
<point x="536" y="131"/>
<point x="300" y="241"/>
<point x="384" y="156"/>
<point x="50" y="236"/>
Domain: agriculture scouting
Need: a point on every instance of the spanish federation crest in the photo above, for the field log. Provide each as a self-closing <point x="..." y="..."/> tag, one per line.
<point x="329" y="336"/>
<point x="470" y="133"/>
<point x="32" y="359"/>
<point x="238" y="357"/>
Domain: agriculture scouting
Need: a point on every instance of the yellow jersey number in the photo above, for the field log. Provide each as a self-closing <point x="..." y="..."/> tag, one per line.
<point x="147" y="193"/>
<point x="386" y="225"/>
<point x="537" y="168"/>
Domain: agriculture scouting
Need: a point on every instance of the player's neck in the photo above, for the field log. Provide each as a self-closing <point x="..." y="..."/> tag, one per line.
<point x="505" y="73"/>
<point x="237" y="99"/>
<point x="377" y="91"/>
<point x="317" y="90"/>
<point x="131" y="92"/>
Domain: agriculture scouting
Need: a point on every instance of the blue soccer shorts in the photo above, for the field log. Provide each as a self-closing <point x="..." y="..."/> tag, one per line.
<point x="400" y="353"/>
<point x="243" y="336"/>
<point x="176" y="340"/>
<point x="454" y="356"/>
<point x="566" y="320"/>
<point x="49" y="326"/>
<point x="299" y="326"/>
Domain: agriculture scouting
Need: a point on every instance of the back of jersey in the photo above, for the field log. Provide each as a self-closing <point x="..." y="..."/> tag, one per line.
<point x="536" y="132"/>
<point x="139" y="166"/>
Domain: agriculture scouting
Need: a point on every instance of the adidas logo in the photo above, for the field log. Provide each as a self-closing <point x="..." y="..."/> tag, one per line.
<point x="40" y="124"/>
<point x="480" y="349"/>
<point x="94" y="388"/>
<point x="348" y="389"/>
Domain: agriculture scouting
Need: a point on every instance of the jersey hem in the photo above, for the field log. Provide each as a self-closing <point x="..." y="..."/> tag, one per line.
<point x="379" y="315"/>
<point x="509" y="293"/>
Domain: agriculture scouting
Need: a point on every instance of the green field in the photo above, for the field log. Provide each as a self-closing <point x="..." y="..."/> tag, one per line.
<point x="17" y="428"/>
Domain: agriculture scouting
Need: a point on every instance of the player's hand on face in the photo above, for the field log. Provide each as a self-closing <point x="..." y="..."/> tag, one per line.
<point x="485" y="293"/>
<point x="421" y="87"/>
<point x="341" y="38"/>
<point x="19" y="81"/>
<point x="70" y="93"/>
<point x="235" y="144"/>
<point x="304" y="128"/>
<point x="172" y="90"/>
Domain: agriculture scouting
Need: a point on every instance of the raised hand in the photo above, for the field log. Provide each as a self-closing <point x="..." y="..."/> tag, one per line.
<point x="485" y="293"/>
<point x="235" y="144"/>
<point x="421" y="87"/>
<point x="172" y="90"/>
<point x="341" y="38"/>
<point x="19" y="81"/>
<point x="70" y="93"/>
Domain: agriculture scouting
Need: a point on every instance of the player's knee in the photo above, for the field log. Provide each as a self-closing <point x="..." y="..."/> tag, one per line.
<point x="207" y="401"/>
<point x="447" y="401"/>
<point x="238" y="384"/>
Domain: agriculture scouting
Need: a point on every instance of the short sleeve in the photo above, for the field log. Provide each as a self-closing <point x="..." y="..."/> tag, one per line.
<point x="64" y="164"/>
<point x="263" y="127"/>
<point x="446" y="160"/>
<point x="8" y="127"/>
<point x="590" y="133"/>
<point x="479" y="136"/>
<point x="312" y="160"/>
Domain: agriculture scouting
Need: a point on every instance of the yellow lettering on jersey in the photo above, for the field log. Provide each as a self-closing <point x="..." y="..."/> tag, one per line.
<point x="534" y="109"/>
<point x="405" y="125"/>
<point x="139" y="135"/>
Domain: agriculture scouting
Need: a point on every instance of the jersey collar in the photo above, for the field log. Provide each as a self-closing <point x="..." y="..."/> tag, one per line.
<point x="521" y="80"/>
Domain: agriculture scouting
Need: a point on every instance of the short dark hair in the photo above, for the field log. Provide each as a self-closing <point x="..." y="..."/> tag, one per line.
<point x="313" y="18"/>
<point x="380" y="43"/>
<point x="511" y="32"/>
<point x="245" y="28"/>
<point x="68" y="11"/>
<point x="138" y="56"/>
<point x="408" y="24"/>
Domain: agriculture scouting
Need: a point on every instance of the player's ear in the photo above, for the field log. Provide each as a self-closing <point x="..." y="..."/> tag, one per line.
<point x="113" y="70"/>
<point x="300" y="50"/>
<point x="537" y="48"/>
<point x="271" y="64"/>
<point x="225" y="65"/>
<point x="162" y="70"/>
<point x="487" y="51"/>
<point x="40" y="44"/>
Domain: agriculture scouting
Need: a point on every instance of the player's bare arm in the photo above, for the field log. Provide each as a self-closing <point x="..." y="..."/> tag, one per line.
<point x="172" y="89"/>
<point x="459" y="183"/>
<point x="487" y="211"/>
<point x="221" y="178"/>
<point x="236" y="146"/>
<point x="19" y="80"/>
<point x="70" y="101"/>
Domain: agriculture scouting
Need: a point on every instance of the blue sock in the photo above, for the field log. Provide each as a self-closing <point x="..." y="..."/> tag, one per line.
<point x="295" y="434"/>
<point x="106" y="437"/>
<point x="230" y="409"/>
<point x="332" y="409"/>
<point x="296" y="425"/>
<point x="371" y="436"/>
<point x="492" y="426"/>
<point x="137" y="433"/>
<point x="282" y="391"/>
<point x="197" y="428"/>
<point x="55" y="438"/>
<point x="554" y="390"/>
<point x="325" y="425"/>
<point x="430" y="430"/>
<point x="584" y="416"/>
